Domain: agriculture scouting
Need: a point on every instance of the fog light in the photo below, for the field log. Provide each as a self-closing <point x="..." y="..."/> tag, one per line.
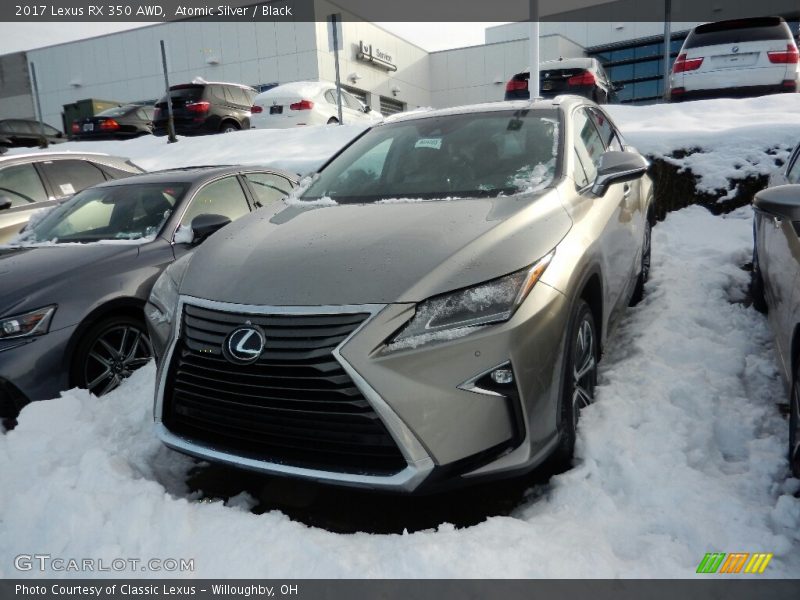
<point x="503" y="376"/>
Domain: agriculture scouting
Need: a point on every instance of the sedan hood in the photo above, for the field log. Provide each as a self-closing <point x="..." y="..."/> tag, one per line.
<point x="373" y="253"/>
<point x="29" y="273"/>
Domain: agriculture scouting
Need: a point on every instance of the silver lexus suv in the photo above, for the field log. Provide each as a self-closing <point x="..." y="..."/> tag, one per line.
<point x="428" y="310"/>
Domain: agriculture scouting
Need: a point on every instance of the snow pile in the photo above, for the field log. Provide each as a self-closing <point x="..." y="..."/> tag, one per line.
<point x="736" y="138"/>
<point x="299" y="150"/>
<point x="683" y="454"/>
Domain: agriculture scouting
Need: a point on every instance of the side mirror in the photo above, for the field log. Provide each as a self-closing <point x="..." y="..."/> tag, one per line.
<point x="782" y="202"/>
<point x="618" y="87"/>
<point x="5" y="203"/>
<point x="367" y="108"/>
<point x="616" y="167"/>
<point x="206" y="224"/>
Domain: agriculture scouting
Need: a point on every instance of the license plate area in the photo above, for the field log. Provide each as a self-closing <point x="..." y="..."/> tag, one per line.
<point x="276" y="110"/>
<point x="88" y="127"/>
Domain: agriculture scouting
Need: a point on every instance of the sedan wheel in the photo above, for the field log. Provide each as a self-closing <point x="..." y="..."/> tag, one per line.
<point x="794" y="423"/>
<point x="229" y="127"/>
<point x="110" y="352"/>
<point x="580" y="380"/>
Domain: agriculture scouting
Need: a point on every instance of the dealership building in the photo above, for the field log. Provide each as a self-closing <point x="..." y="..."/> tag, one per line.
<point x="386" y="71"/>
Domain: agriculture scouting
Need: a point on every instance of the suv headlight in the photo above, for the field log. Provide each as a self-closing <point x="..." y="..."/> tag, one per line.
<point x="164" y="295"/>
<point x="491" y="302"/>
<point x="35" y="322"/>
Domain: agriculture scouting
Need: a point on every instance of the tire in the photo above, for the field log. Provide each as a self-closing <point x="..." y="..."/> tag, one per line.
<point x="579" y="380"/>
<point x="109" y="352"/>
<point x="757" y="287"/>
<point x="644" y="269"/>
<point x="794" y="422"/>
<point x="229" y="127"/>
<point x="333" y="121"/>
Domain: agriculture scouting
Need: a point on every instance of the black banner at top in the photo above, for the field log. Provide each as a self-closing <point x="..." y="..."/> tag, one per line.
<point x="391" y="10"/>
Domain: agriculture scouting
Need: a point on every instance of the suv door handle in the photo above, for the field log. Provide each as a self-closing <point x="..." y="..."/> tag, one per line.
<point x="777" y="222"/>
<point x="626" y="190"/>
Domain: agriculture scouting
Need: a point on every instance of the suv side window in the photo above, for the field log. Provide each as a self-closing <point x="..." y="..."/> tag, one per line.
<point x="21" y="185"/>
<point x="69" y="177"/>
<point x="607" y="133"/>
<point x="588" y="144"/>
<point x="268" y="187"/>
<point x="221" y="197"/>
<point x="216" y="94"/>
<point x="239" y="96"/>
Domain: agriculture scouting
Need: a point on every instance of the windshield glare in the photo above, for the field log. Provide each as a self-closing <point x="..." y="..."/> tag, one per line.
<point x="456" y="156"/>
<point x="123" y="212"/>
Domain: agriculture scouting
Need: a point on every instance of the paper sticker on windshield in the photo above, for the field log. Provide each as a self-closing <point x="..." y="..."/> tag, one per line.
<point x="435" y="143"/>
<point x="66" y="188"/>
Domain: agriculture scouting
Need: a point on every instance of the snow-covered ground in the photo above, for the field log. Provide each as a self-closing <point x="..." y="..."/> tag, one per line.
<point x="735" y="138"/>
<point x="683" y="453"/>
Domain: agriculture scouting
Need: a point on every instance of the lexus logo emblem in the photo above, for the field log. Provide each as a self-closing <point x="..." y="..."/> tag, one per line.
<point x="735" y="49"/>
<point x="244" y="345"/>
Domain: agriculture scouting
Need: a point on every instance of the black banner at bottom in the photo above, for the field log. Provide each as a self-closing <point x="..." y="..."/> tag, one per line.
<point x="383" y="589"/>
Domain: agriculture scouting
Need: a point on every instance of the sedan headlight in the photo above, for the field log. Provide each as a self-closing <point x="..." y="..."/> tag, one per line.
<point x="164" y="295"/>
<point x="36" y="322"/>
<point x="491" y="302"/>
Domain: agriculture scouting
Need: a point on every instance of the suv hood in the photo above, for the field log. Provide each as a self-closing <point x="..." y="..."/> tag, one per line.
<point x="373" y="253"/>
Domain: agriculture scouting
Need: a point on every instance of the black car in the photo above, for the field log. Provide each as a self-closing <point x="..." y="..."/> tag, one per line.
<point x="25" y="133"/>
<point x="581" y="76"/>
<point x="30" y="182"/>
<point x="74" y="288"/>
<point x="120" y="122"/>
<point x="200" y="108"/>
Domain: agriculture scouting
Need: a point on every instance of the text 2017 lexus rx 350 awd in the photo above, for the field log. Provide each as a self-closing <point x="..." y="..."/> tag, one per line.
<point x="429" y="311"/>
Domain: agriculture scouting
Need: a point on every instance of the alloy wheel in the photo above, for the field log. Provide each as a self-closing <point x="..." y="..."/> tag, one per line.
<point x="584" y="371"/>
<point x="116" y="353"/>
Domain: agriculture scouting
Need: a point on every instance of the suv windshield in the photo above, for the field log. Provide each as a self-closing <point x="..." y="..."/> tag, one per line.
<point x="736" y="32"/>
<point x="455" y="156"/>
<point x="123" y="212"/>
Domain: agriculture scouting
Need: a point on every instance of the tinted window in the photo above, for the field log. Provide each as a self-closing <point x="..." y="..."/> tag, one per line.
<point x="216" y="93"/>
<point x="350" y="101"/>
<point x="457" y="156"/>
<point x="142" y="115"/>
<point x="21" y="185"/>
<point x="50" y="130"/>
<point x="735" y="32"/>
<point x="184" y="94"/>
<point x="71" y="176"/>
<point x="110" y="212"/>
<point x="117" y="111"/>
<point x="23" y="127"/>
<point x="607" y="133"/>
<point x="268" y="187"/>
<point x="5" y="127"/>
<point x="588" y="143"/>
<point x="238" y="95"/>
<point x="222" y="197"/>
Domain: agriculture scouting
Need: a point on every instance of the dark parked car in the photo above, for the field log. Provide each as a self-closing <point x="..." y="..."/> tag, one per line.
<point x="24" y="133"/>
<point x="29" y="182"/>
<point x="776" y="286"/>
<point x="208" y="107"/>
<point x="429" y="312"/>
<point x="71" y="311"/>
<point x="120" y="122"/>
<point x="582" y="76"/>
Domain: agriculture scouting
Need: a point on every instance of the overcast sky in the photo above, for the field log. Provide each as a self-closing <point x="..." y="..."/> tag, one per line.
<point x="431" y="36"/>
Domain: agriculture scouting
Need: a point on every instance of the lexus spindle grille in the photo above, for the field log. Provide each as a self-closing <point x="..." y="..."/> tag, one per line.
<point x="295" y="405"/>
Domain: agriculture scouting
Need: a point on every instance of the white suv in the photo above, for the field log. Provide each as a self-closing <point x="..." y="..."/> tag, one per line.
<point x="744" y="57"/>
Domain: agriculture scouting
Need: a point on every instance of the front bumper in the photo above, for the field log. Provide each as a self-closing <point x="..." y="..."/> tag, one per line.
<point x="448" y="430"/>
<point x="33" y="369"/>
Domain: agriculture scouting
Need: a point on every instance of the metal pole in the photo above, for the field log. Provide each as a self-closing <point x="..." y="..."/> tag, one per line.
<point x="667" y="45"/>
<point x="533" y="79"/>
<point x="38" y="105"/>
<point x="336" y="63"/>
<point x="170" y="118"/>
